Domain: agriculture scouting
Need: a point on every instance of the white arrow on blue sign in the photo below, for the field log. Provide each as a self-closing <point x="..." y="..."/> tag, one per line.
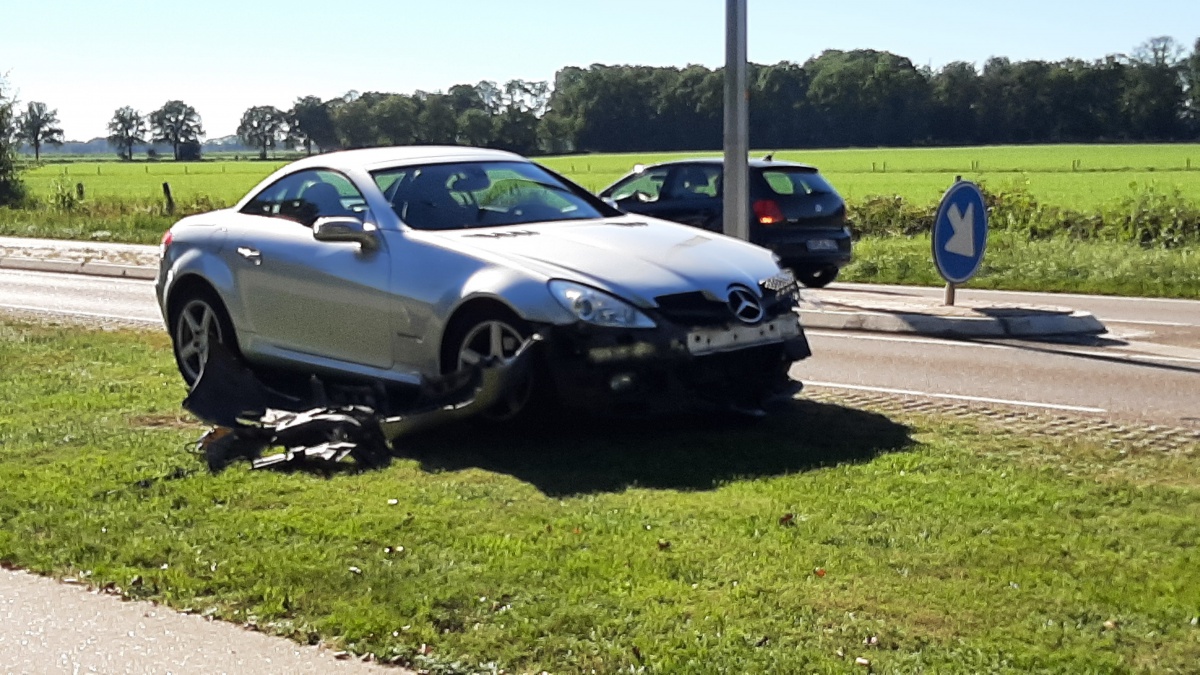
<point x="960" y="232"/>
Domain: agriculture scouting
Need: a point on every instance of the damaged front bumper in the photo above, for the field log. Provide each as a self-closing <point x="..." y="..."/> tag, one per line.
<point x="674" y="369"/>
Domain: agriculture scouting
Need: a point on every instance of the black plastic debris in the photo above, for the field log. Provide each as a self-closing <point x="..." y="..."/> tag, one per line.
<point x="250" y="417"/>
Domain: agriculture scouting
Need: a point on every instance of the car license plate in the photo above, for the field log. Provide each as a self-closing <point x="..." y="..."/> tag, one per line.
<point x="822" y="245"/>
<point x="711" y="341"/>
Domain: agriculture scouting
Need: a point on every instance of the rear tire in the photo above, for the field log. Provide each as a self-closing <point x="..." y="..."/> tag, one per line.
<point x="198" y="321"/>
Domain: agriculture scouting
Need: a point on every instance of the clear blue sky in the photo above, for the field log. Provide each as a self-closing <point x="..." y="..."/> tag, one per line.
<point x="88" y="57"/>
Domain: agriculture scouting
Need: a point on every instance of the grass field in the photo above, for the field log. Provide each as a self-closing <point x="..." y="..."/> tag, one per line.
<point x="1104" y="172"/>
<point x="799" y="544"/>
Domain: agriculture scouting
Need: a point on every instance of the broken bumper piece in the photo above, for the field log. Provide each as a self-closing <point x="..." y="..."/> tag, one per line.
<point x="250" y="417"/>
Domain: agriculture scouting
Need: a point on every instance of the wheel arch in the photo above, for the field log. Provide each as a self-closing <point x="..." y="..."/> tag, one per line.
<point x="470" y="309"/>
<point x="189" y="286"/>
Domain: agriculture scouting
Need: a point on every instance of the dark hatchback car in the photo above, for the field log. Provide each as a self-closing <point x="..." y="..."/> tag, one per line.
<point x="795" y="212"/>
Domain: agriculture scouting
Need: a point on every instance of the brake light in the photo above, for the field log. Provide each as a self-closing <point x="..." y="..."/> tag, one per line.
<point x="768" y="212"/>
<point x="167" y="238"/>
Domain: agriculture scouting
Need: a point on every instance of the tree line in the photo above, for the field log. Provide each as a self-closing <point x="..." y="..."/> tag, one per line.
<point x="837" y="99"/>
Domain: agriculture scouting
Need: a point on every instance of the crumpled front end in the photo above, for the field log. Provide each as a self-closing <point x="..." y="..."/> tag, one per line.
<point x="700" y="357"/>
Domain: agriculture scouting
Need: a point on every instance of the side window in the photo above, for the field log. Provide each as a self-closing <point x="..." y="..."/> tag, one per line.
<point x="305" y="196"/>
<point x="644" y="186"/>
<point x="693" y="182"/>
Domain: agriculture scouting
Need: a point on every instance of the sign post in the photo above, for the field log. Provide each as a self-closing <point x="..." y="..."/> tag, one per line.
<point x="959" y="235"/>
<point x="737" y="122"/>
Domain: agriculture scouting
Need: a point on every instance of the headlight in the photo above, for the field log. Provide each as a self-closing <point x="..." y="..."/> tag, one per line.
<point x="597" y="307"/>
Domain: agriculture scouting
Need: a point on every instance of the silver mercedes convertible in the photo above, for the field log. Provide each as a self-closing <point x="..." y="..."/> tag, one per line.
<point x="387" y="267"/>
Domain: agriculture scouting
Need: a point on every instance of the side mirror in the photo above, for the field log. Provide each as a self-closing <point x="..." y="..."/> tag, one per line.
<point x="613" y="203"/>
<point x="346" y="230"/>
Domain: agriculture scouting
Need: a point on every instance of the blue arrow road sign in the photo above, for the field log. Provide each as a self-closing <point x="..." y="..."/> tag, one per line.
<point x="960" y="232"/>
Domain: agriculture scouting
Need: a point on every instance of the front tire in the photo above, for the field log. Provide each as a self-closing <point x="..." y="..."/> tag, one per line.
<point x="199" y="322"/>
<point x="496" y="334"/>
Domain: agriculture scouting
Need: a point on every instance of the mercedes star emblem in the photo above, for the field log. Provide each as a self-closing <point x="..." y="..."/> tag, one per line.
<point x="745" y="305"/>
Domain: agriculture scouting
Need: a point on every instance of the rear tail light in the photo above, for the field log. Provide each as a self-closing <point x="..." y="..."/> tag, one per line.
<point x="768" y="212"/>
<point x="167" y="238"/>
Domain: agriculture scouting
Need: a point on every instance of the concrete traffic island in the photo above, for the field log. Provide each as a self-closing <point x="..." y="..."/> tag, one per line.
<point x="896" y="312"/>
<point x="96" y="258"/>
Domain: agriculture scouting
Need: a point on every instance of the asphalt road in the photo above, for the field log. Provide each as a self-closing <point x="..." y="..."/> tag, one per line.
<point x="1147" y="369"/>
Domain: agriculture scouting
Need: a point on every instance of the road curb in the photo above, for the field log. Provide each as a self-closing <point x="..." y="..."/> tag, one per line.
<point x="1031" y="325"/>
<point x="91" y="268"/>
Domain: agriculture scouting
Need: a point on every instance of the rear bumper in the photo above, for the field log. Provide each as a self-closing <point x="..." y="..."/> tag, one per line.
<point x="800" y="247"/>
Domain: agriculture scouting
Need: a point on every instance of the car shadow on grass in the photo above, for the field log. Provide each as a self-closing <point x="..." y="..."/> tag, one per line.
<point x="573" y="455"/>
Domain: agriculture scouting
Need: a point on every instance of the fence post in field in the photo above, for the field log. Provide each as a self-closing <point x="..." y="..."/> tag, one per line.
<point x="79" y="191"/>
<point x="169" y="198"/>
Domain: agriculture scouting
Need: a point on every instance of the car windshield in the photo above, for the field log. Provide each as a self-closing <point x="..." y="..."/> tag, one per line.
<point x="798" y="182"/>
<point x="480" y="194"/>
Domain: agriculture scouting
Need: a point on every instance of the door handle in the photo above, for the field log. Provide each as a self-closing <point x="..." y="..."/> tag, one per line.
<point x="251" y="254"/>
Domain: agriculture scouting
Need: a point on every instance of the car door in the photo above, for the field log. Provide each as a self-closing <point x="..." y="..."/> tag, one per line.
<point x="639" y="192"/>
<point x="687" y="193"/>
<point x="306" y="299"/>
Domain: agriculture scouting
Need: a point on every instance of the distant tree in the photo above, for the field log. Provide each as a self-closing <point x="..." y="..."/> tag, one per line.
<point x="12" y="190"/>
<point x="262" y="127"/>
<point x="176" y="123"/>
<point x="36" y="126"/>
<point x="466" y="97"/>
<point x="1154" y="99"/>
<point x="437" y="122"/>
<point x="1191" y="74"/>
<point x="190" y="151"/>
<point x="392" y="117"/>
<point x="475" y="128"/>
<point x="355" y="122"/>
<point x="517" y="131"/>
<point x="126" y="129"/>
<point x="311" y="121"/>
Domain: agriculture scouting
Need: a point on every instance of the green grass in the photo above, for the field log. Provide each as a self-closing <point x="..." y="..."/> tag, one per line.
<point x="921" y="174"/>
<point x="608" y="546"/>
<point x="224" y="181"/>
<point x="1052" y="265"/>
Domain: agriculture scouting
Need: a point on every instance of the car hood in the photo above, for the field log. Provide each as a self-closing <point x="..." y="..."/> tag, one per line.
<point x="637" y="258"/>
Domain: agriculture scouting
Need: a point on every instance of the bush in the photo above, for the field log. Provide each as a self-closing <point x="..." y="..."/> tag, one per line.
<point x="12" y="190"/>
<point x="1148" y="216"/>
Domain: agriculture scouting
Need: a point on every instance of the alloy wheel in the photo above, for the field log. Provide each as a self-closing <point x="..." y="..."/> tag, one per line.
<point x="196" y="329"/>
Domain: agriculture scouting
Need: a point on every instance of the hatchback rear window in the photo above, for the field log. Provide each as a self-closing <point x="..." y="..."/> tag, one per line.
<point x="797" y="182"/>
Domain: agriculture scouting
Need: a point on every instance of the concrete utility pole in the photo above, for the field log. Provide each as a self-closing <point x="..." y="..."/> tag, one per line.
<point x="737" y="122"/>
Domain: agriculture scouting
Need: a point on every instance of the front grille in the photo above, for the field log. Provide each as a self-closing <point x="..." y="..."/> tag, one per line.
<point x="695" y="309"/>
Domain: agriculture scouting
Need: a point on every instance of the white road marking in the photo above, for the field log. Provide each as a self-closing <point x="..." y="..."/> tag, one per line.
<point x="955" y="397"/>
<point x="906" y="340"/>
<point x="1166" y="324"/>
<point x="1115" y="355"/>
<point x="73" y="312"/>
<point x="933" y="291"/>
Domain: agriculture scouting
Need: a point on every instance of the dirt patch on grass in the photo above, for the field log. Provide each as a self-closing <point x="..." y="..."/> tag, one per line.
<point x="179" y="420"/>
